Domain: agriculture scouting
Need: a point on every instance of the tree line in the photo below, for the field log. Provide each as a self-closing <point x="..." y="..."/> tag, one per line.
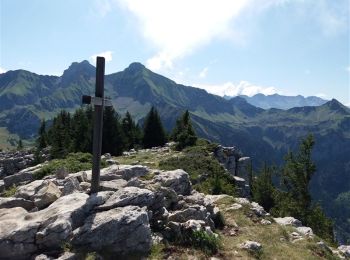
<point x="73" y="132"/>
<point x="285" y="191"/>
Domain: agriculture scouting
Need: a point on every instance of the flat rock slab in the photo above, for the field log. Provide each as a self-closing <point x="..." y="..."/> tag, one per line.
<point x="129" y="196"/>
<point x="288" y="221"/>
<point x="6" y="203"/>
<point x="22" y="233"/>
<point x="122" y="231"/>
<point x="178" y="180"/>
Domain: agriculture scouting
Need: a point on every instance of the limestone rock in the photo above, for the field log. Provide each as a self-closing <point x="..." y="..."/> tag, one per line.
<point x="234" y="206"/>
<point x="305" y="231"/>
<point x="68" y="256"/>
<point x="288" y="221"/>
<point x="42" y="257"/>
<point x="251" y="245"/>
<point x="129" y="196"/>
<point x="265" y="222"/>
<point x="258" y="210"/>
<point x="113" y="185"/>
<point x="22" y="233"/>
<point x="43" y="193"/>
<point x="123" y="231"/>
<point x="6" y="203"/>
<point x="194" y="212"/>
<point x="178" y="180"/>
<point x="243" y="201"/>
<point x="70" y="185"/>
<point x="345" y="249"/>
<point x="2" y="186"/>
<point x="61" y="173"/>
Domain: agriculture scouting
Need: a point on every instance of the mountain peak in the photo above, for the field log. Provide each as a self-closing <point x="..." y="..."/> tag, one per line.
<point x="77" y="69"/>
<point x="135" y="67"/>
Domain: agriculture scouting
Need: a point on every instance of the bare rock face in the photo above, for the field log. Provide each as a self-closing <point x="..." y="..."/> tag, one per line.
<point x="251" y="245"/>
<point x="129" y="196"/>
<point x="288" y="221"/>
<point x="123" y="231"/>
<point x="6" y="203"/>
<point x="42" y="192"/>
<point x="178" y="180"/>
<point x="23" y="233"/>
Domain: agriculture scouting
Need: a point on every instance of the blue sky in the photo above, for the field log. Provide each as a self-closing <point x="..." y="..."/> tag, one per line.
<point x="227" y="47"/>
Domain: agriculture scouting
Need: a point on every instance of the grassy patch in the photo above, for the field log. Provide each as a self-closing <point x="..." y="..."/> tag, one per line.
<point x="74" y="162"/>
<point x="157" y="252"/>
<point x="206" y="173"/>
<point x="10" y="191"/>
<point x="207" y="243"/>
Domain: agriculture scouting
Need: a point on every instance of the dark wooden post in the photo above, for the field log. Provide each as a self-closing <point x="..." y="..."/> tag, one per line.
<point x="98" y="124"/>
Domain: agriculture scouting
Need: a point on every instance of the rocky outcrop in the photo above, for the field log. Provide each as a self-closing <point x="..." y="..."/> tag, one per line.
<point x="288" y="221"/>
<point x="12" y="162"/>
<point x="41" y="192"/>
<point x="237" y="165"/>
<point x="118" y="220"/>
<point x="178" y="180"/>
<point x="119" y="231"/>
<point x="22" y="177"/>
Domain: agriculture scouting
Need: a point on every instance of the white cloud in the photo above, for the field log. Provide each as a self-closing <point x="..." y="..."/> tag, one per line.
<point x="177" y="28"/>
<point x="321" y="95"/>
<point x="106" y="54"/>
<point x="242" y="88"/>
<point x="203" y="73"/>
<point x="2" y="70"/>
<point x="347" y="69"/>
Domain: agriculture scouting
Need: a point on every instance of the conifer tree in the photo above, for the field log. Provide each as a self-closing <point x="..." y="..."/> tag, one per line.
<point x="20" y="145"/>
<point x="183" y="132"/>
<point x="113" y="139"/>
<point x="131" y="131"/>
<point x="154" y="133"/>
<point x="41" y="141"/>
<point x="81" y="132"/>
<point x="61" y="135"/>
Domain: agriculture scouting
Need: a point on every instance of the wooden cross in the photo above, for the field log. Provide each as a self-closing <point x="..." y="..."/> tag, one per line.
<point x="99" y="103"/>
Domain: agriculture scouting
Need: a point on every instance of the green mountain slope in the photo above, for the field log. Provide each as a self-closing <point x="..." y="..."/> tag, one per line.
<point x="265" y="135"/>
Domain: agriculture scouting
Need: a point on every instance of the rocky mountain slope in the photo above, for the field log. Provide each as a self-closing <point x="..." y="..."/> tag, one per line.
<point x="264" y="134"/>
<point x="142" y="211"/>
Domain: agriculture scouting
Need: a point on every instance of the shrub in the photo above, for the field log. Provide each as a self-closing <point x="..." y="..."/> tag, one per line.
<point x="74" y="162"/>
<point x="208" y="243"/>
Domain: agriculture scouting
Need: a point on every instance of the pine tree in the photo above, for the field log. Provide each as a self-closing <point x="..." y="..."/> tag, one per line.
<point x="131" y="131"/>
<point x="81" y="132"/>
<point x="154" y="133"/>
<point x="20" y="145"/>
<point x="41" y="141"/>
<point x="263" y="190"/>
<point x="61" y="135"/>
<point x="113" y="139"/>
<point x="183" y="132"/>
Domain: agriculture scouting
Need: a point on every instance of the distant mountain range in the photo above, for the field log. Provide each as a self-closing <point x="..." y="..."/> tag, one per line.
<point x="265" y="135"/>
<point x="281" y="102"/>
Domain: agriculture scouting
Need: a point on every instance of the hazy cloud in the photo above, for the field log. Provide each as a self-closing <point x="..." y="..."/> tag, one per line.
<point x="242" y="88"/>
<point x="106" y="54"/>
<point x="203" y="73"/>
<point x="2" y="70"/>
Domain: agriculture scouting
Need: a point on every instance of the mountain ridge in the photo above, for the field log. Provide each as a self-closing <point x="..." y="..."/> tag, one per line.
<point x="265" y="135"/>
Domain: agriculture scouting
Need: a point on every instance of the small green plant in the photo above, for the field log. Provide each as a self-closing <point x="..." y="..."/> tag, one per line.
<point x="208" y="243"/>
<point x="66" y="247"/>
<point x="91" y="256"/>
<point x="156" y="251"/>
<point x="74" y="162"/>
<point x="10" y="191"/>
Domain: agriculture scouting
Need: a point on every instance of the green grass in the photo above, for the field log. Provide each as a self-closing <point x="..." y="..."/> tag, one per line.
<point x="206" y="173"/>
<point x="9" y="192"/>
<point x="74" y="162"/>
